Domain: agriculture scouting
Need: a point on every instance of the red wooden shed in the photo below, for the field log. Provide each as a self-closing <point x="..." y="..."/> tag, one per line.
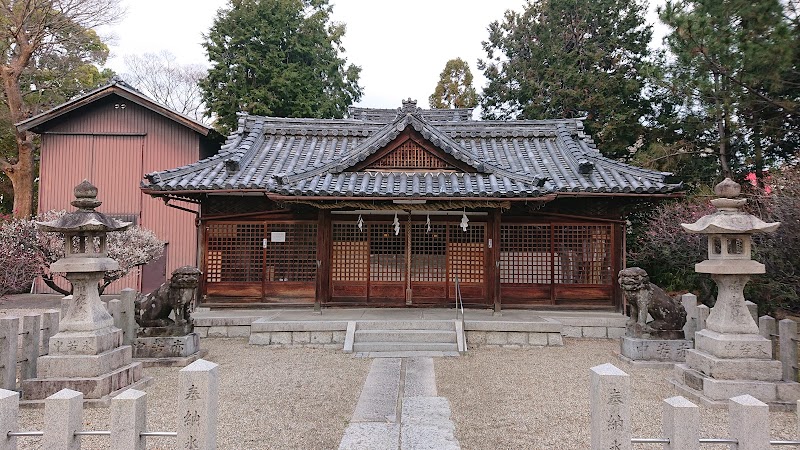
<point x="112" y="136"/>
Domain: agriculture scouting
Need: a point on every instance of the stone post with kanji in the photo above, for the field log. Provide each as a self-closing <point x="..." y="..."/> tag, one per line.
<point x="198" y="404"/>
<point x="610" y="409"/>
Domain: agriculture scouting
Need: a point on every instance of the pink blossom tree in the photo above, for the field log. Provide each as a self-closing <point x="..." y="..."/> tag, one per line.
<point x="131" y="248"/>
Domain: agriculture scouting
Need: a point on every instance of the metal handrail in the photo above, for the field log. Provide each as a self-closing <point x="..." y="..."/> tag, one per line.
<point x="459" y="301"/>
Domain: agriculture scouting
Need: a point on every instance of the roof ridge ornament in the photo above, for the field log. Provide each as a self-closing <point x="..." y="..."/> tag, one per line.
<point x="409" y="107"/>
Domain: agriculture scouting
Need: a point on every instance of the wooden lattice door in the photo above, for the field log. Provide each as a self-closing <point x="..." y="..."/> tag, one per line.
<point x="349" y="263"/>
<point x="414" y="265"/>
<point x="428" y="263"/>
<point x="466" y="251"/>
<point x="234" y="263"/>
<point x="261" y="261"/>
<point x="387" y="264"/>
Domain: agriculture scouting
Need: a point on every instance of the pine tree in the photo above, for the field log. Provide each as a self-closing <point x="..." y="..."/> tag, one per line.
<point x="572" y="58"/>
<point x="454" y="89"/>
<point x="733" y="59"/>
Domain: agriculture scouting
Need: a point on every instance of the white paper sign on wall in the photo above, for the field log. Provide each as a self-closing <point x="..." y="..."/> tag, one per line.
<point x="278" y="236"/>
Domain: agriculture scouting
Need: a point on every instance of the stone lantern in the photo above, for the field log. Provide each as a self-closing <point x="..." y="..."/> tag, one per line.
<point x="730" y="236"/>
<point x="730" y="358"/>
<point x="86" y="354"/>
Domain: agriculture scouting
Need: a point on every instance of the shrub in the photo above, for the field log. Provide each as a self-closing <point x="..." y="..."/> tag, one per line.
<point x="21" y="254"/>
<point x="668" y="253"/>
<point x="131" y="248"/>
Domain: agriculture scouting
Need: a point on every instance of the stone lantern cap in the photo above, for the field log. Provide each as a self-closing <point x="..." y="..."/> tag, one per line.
<point x="729" y="219"/>
<point x="85" y="219"/>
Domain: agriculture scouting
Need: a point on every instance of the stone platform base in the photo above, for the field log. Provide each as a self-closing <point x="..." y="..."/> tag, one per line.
<point x="654" y="350"/>
<point x="166" y="346"/>
<point x="92" y="387"/>
<point x="182" y="361"/>
<point x="102" y="402"/>
<point x="779" y="395"/>
<point x="646" y="364"/>
<point x="512" y="339"/>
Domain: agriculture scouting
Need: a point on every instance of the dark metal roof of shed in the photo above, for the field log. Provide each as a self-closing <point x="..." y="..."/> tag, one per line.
<point x="116" y="85"/>
<point x="314" y="157"/>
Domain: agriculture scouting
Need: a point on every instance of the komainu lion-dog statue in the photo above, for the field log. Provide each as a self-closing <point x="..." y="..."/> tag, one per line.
<point x="645" y="298"/>
<point x="176" y="297"/>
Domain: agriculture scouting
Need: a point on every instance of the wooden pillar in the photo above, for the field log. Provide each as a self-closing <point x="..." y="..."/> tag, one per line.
<point x="324" y="236"/>
<point x="409" y="293"/>
<point x="493" y="260"/>
<point x="618" y="263"/>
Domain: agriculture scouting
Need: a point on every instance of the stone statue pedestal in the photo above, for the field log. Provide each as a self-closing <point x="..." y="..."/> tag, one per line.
<point x="168" y="351"/>
<point x="655" y="351"/>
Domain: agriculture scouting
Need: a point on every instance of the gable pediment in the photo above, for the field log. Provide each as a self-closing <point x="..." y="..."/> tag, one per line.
<point x="410" y="151"/>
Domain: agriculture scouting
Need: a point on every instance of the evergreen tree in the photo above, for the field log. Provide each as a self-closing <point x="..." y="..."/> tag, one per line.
<point x="732" y="66"/>
<point x="572" y="58"/>
<point x="454" y="89"/>
<point x="277" y="58"/>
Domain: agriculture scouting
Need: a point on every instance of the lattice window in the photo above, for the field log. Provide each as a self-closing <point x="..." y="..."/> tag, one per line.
<point x="467" y="253"/>
<point x="410" y="155"/>
<point x="429" y="253"/>
<point x="291" y="256"/>
<point x="234" y="251"/>
<point x="525" y="255"/>
<point x="387" y="257"/>
<point x="583" y="253"/>
<point x="214" y="266"/>
<point x="350" y="253"/>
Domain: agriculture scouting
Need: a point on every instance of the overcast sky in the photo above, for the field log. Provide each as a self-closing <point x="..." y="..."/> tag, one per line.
<point x="401" y="46"/>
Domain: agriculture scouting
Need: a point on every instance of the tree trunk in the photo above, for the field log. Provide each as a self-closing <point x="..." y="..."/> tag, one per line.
<point x="22" y="175"/>
<point x="759" y="155"/>
<point x="722" y="131"/>
<point x="48" y="280"/>
<point x="21" y="171"/>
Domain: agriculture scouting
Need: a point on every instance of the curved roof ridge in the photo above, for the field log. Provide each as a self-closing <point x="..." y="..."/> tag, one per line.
<point x="389" y="132"/>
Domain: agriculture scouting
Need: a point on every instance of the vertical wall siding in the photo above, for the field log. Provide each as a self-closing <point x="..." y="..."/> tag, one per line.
<point x="114" y="147"/>
<point x="65" y="167"/>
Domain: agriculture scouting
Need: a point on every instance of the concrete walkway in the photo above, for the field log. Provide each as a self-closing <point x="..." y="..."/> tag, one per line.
<point x="399" y="409"/>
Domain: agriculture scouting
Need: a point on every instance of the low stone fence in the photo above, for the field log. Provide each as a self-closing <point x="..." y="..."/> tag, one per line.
<point x="22" y="341"/>
<point x="783" y="335"/>
<point x="610" y="412"/>
<point x="197" y="406"/>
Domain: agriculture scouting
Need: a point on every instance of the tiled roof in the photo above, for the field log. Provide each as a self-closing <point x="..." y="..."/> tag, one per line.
<point x="313" y="157"/>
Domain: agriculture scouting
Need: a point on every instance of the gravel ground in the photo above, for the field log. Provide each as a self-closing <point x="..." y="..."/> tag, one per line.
<point x="269" y="399"/>
<point x="538" y="398"/>
<point x="533" y="398"/>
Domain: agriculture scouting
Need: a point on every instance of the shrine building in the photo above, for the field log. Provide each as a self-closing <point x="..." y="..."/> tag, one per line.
<point x="397" y="207"/>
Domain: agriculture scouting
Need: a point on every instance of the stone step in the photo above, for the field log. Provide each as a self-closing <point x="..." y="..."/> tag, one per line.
<point x="92" y="387"/>
<point x="359" y="347"/>
<point x="432" y="336"/>
<point x="407" y="354"/>
<point x="406" y="325"/>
